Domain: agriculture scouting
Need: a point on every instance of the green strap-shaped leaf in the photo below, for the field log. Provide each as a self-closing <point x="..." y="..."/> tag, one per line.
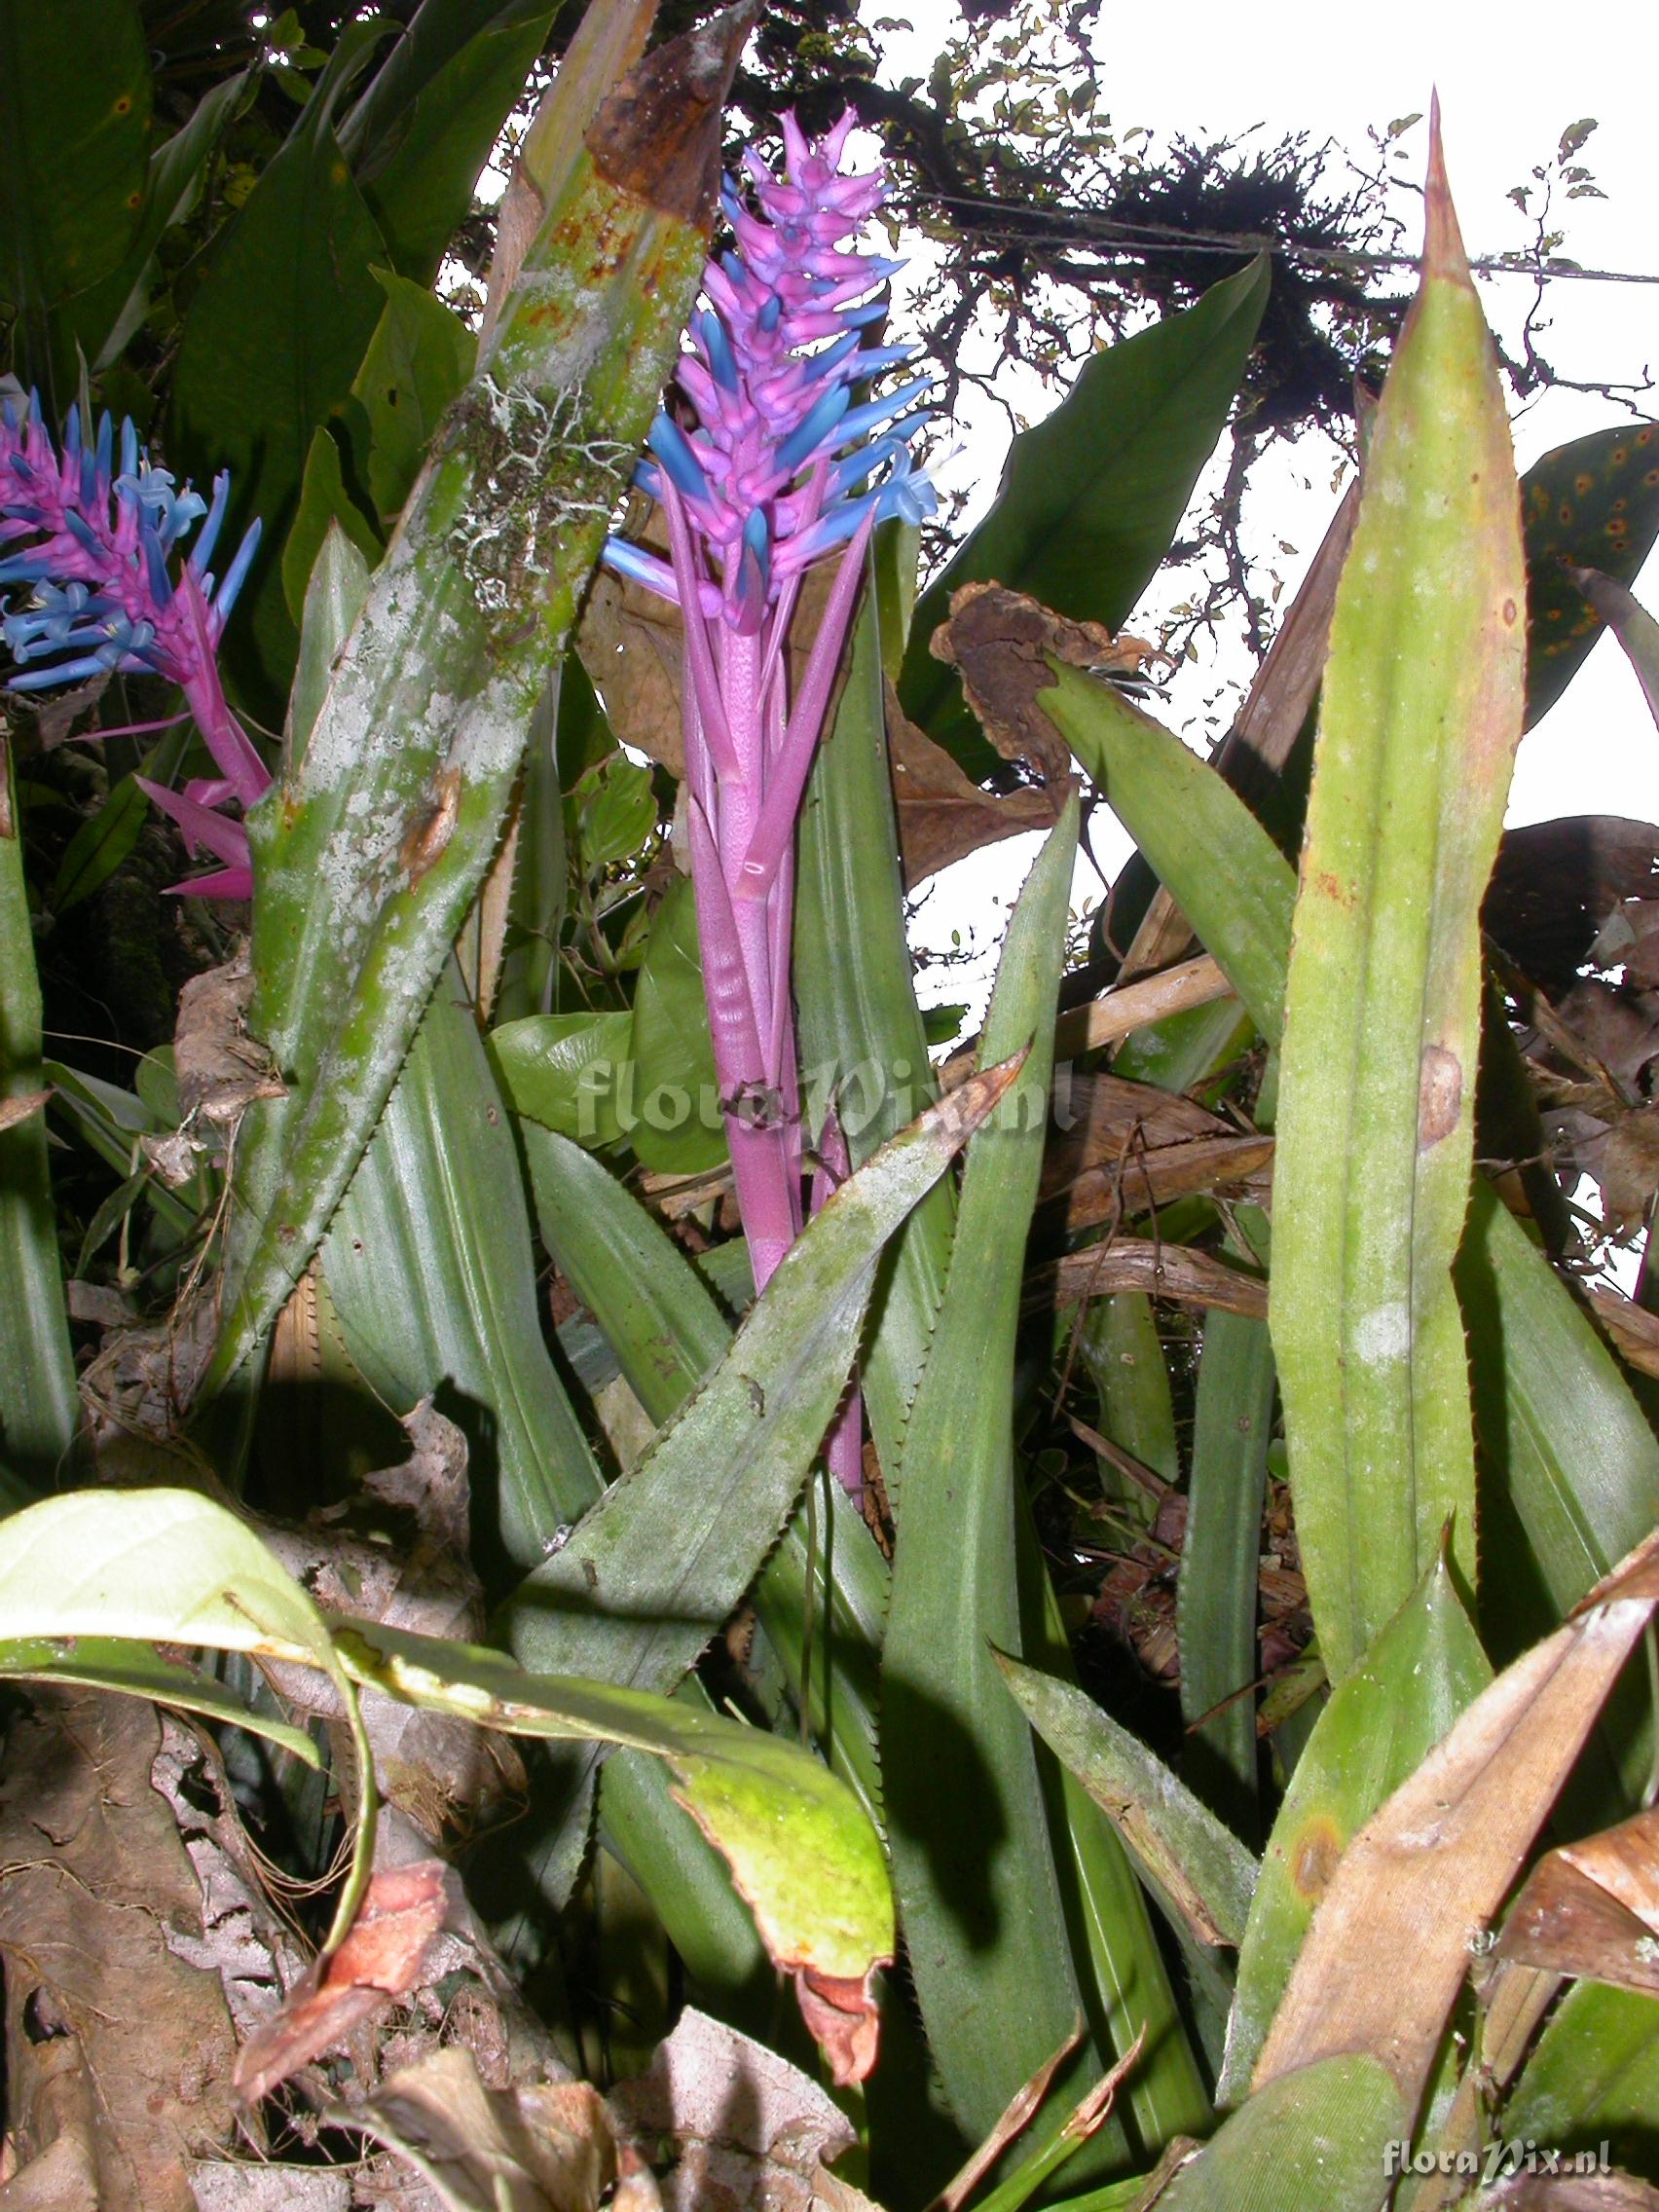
<point x="1314" y="2138"/>
<point x="1091" y="497"/>
<point x="425" y="126"/>
<point x="862" y="1043"/>
<point x="1593" y="2075"/>
<point x="973" y="1863"/>
<point x="39" y="1403"/>
<point x="429" y="1264"/>
<point x="1205" y="1872"/>
<point x="822" y="1595"/>
<point x="1560" y="1434"/>
<point x="1382" y="1719"/>
<point x="1225" y="872"/>
<point x="370" y="850"/>
<point x="138" y="1670"/>
<point x="1219" y="1588"/>
<point x="650" y="1575"/>
<point x="1419" y="719"/>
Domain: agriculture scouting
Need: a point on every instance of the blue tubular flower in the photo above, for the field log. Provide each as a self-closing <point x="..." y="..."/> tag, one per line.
<point x="93" y="546"/>
<point x="774" y="357"/>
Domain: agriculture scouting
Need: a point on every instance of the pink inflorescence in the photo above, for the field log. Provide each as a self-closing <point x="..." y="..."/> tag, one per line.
<point x="774" y="468"/>
<point x="93" y="544"/>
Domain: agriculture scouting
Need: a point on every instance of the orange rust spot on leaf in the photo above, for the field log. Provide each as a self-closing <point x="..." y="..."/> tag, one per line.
<point x="1511" y="614"/>
<point x="1313" y="1857"/>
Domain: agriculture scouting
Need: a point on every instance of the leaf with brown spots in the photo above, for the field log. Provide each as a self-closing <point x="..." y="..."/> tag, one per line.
<point x="1593" y="503"/>
<point x="1429" y="1869"/>
<point x="1425" y="1668"/>
<point x="1420" y="717"/>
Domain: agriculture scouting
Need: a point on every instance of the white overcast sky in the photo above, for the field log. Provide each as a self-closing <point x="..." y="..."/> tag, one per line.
<point x="1509" y="82"/>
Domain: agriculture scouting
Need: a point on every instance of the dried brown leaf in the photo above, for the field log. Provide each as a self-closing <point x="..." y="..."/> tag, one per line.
<point x="18" y="1109"/>
<point x="1635" y="1331"/>
<point x="1591" y="1908"/>
<point x="220" y="1068"/>
<point x="1164" y="1271"/>
<point x="1428" y="1873"/>
<point x="543" y="2147"/>
<point x="95" y="1876"/>
<point x="1132" y="1147"/>
<point x="942" y="814"/>
<point x="998" y="642"/>
<point x="748" y="2127"/>
<point x="1559" y="888"/>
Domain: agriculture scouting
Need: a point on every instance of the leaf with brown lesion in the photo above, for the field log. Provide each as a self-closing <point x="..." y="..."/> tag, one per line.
<point x="1427" y="1873"/>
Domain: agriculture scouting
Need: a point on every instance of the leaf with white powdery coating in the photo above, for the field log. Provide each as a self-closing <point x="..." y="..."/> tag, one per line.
<point x="371" y="847"/>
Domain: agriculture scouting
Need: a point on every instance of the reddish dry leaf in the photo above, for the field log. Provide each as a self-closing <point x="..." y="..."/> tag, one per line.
<point x="380" y="1961"/>
<point x="1592" y="1909"/>
<point x="1429" y="1869"/>
<point x="843" y="2020"/>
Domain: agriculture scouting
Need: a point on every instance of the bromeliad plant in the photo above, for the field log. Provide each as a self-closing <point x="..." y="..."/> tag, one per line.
<point x="611" y="1524"/>
<point x="779" y="470"/>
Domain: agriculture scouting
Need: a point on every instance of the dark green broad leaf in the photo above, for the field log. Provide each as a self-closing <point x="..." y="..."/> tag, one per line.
<point x="272" y="343"/>
<point x="324" y="498"/>
<point x="419" y="358"/>
<point x="673" y="1120"/>
<point x="1091" y="496"/>
<point x="1592" y="504"/>
<point x="74" y="143"/>
<point x="102" y="318"/>
<point x="39" y="1407"/>
<point x="422" y="130"/>
<point x="566" y="1071"/>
